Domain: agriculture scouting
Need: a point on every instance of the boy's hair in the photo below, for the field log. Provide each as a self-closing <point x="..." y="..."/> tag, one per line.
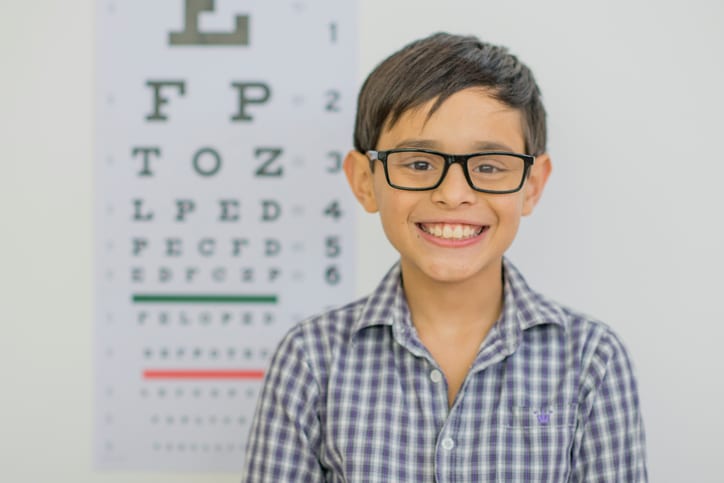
<point x="437" y="67"/>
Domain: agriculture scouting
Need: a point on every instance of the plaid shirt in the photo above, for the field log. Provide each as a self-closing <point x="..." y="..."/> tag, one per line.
<point x="353" y="395"/>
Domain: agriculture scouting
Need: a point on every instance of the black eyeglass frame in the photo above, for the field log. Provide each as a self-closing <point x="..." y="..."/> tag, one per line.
<point x="450" y="159"/>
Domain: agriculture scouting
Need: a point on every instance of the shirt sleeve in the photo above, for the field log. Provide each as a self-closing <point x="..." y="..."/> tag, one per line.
<point x="284" y="439"/>
<point x="612" y="445"/>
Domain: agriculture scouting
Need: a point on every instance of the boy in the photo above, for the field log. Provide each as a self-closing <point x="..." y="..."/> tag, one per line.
<point x="453" y="369"/>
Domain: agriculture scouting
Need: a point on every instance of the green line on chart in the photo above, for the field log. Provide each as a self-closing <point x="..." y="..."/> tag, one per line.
<point x="203" y="299"/>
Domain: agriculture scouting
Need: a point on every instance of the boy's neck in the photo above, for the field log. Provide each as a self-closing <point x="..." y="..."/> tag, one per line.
<point x="454" y="309"/>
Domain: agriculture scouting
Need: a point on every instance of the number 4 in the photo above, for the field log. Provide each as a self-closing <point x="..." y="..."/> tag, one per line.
<point x="332" y="210"/>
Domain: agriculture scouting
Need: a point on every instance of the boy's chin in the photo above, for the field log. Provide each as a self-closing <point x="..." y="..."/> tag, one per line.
<point x="454" y="272"/>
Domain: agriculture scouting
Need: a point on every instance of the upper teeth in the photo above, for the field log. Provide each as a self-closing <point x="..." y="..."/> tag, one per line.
<point x="452" y="231"/>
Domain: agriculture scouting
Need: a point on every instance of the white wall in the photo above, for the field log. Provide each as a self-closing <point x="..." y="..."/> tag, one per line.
<point x="629" y="229"/>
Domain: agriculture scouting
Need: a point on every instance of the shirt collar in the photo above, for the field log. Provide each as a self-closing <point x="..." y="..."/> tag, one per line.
<point x="523" y="308"/>
<point x="386" y="304"/>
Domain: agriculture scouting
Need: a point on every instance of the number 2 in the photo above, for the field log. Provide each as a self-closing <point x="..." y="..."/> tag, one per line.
<point x="332" y="99"/>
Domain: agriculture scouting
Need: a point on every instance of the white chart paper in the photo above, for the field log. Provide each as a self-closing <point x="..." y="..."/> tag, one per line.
<point x="222" y="215"/>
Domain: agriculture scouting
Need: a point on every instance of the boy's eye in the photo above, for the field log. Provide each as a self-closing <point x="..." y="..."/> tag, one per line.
<point x="488" y="165"/>
<point x="420" y="165"/>
<point x="415" y="162"/>
<point x="488" y="169"/>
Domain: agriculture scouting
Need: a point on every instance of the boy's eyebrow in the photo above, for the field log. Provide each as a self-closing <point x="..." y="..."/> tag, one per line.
<point x="434" y="145"/>
<point x="417" y="143"/>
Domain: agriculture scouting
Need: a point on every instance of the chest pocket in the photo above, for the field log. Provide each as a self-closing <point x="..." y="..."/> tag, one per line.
<point x="534" y="444"/>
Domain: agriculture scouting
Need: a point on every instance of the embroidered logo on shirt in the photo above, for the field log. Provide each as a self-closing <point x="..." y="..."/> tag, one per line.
<point x="544" y="417"/>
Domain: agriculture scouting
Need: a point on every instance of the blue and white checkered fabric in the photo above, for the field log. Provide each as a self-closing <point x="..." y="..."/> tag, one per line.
<point x="353" y="395"/>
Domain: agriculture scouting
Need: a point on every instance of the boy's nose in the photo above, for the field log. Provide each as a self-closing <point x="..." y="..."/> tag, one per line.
<point x="454" y="189"/>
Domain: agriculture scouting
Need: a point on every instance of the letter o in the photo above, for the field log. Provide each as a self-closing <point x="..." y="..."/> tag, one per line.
<point x="217" y="162"/>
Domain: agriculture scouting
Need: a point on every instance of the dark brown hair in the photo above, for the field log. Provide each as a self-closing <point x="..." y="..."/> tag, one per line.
<point x="437" y="67"/>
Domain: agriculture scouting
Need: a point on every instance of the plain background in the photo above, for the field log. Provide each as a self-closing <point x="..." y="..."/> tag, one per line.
<point x="629" y="228"/>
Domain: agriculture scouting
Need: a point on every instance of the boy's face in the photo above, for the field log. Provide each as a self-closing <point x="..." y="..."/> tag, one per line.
<point x="469" y="121"/>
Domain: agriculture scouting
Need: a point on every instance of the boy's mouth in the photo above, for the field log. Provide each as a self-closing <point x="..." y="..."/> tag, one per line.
<point x="452" y="231"/>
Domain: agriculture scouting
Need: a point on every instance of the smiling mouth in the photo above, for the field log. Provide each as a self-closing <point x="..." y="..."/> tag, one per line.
<point x="452" y="231"/>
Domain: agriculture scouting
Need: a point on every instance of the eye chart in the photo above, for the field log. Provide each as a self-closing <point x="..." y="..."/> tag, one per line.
<point x="222" y="216"/>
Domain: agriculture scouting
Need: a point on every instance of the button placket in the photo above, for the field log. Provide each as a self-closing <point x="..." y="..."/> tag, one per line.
<point x="438" y="388"/>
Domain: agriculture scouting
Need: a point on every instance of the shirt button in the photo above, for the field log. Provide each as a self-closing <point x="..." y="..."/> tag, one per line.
<point x="435" y="376"/>
<point x="448" y="444"/>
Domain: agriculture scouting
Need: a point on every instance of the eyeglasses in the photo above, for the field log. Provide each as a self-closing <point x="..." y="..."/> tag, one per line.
<point x="423" y="169"/>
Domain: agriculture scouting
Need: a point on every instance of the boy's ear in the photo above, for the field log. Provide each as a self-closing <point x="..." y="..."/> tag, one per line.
<point x="536" y="181"/>
<point x="361" y="179"/>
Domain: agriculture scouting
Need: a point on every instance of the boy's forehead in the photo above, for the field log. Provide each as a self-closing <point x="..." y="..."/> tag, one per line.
<point x="474" y="110"/>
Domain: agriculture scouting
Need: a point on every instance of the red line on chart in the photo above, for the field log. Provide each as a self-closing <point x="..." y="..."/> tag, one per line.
<point x="203" y="374"/>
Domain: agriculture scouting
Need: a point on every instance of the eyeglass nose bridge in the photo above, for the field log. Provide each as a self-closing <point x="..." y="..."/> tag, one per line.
<point x="450" y="159"/>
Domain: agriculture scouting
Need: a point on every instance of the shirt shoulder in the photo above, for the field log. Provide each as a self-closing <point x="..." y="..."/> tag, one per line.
<point x="595" y="337"/>
<point x="317" y="341"/>
<point x="599" y="356"/>
<point x="591" y="346"/>
<point x="533" y="308"/>
<point x="321" y="338"/>
<point x="323" y="332"/>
